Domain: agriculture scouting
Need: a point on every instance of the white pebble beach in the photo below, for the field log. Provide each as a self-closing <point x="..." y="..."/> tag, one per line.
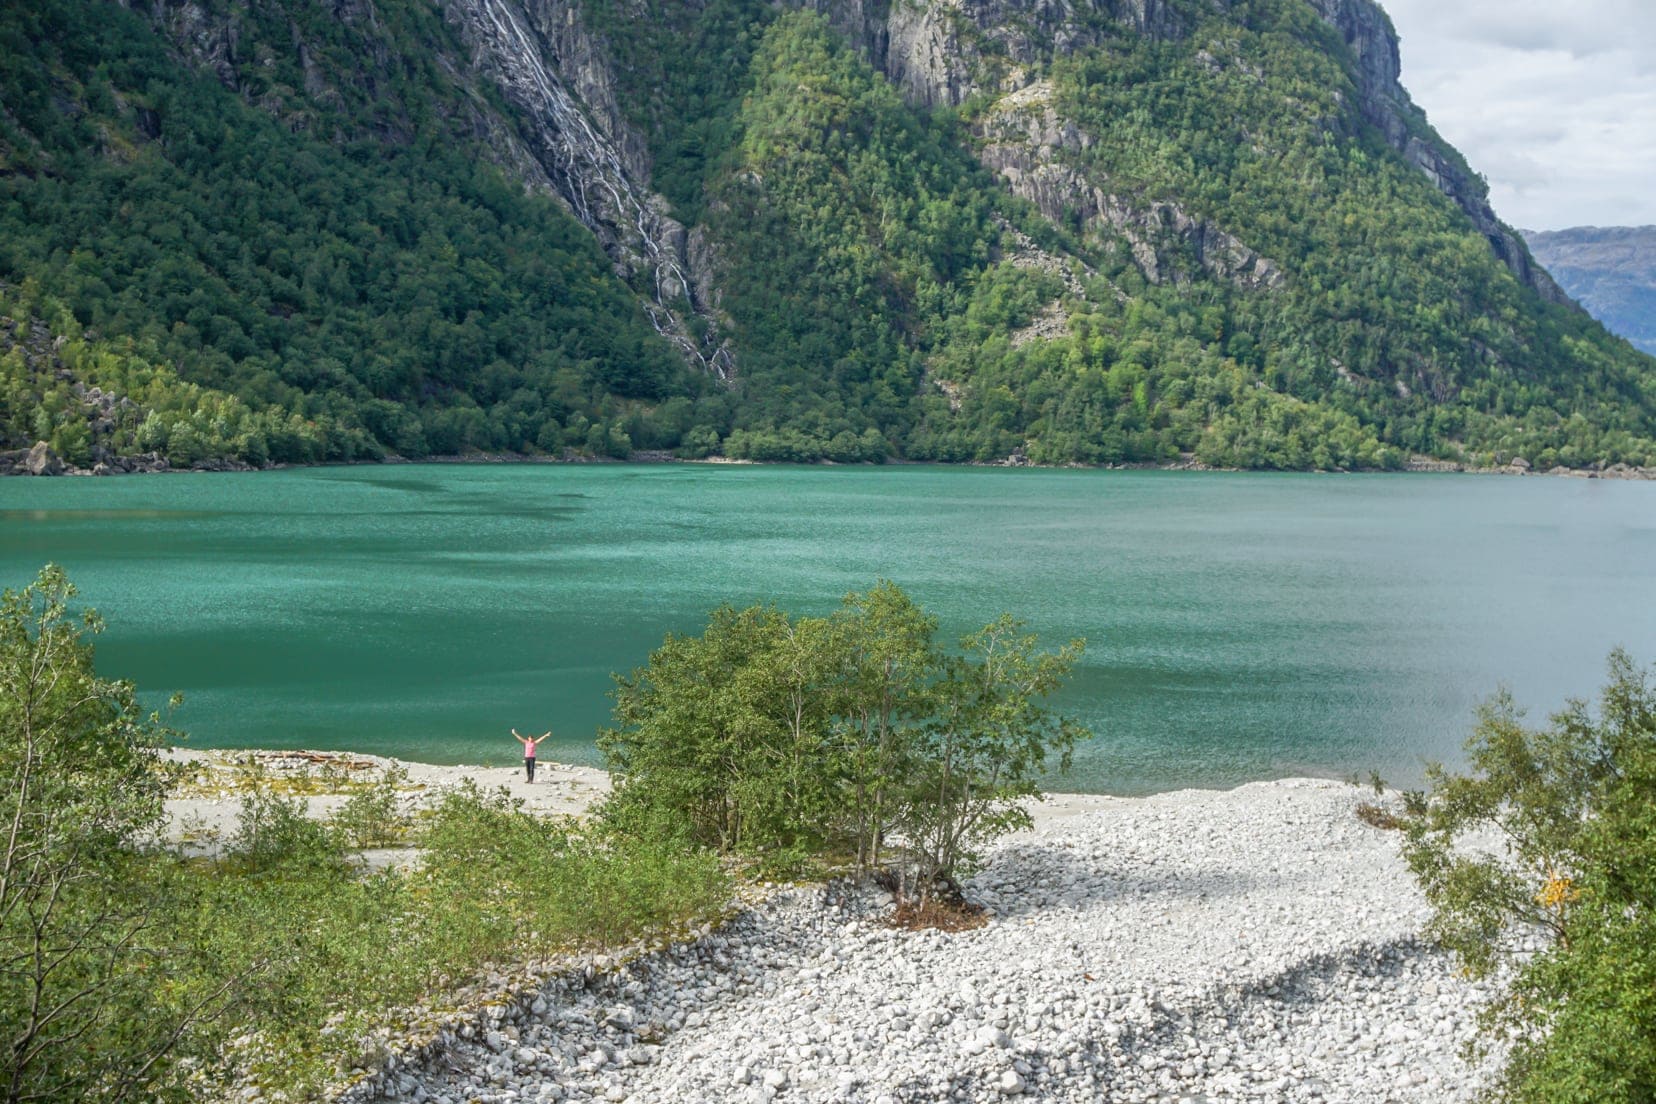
<point x="1256" y="944"/>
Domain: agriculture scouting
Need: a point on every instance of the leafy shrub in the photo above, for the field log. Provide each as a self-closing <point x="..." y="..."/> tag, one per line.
<point x="372" y="815"/>
<point x="273" y="830"/>
<point x="791" y="740"/>
<point x="1575" y="806"/>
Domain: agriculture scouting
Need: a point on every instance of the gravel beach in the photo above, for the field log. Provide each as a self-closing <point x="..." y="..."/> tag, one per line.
<point x="1259" y="944"/>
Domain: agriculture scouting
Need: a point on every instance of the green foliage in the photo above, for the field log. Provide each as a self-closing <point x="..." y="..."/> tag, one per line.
<point x="339" y="952"/>
<point x="535" y="886"/>
<point x="88" y="1006"/>
<point x="1574" y="808"/>
<point x="792" y="739"/>
<point x="307" y="255"/>
<point x="847" y="217"/>
<point x="373" y="815"/>
<point x="338" y="258"/>
<point x="983" y="750"/>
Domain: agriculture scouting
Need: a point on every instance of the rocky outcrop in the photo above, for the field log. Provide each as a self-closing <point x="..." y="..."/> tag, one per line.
<point x="208" y="40"/>
<point x="1032" y="148"/>
<point x="41" y="460"/>
<point x="940" y="52"/>
<point x="1384" y="102"/>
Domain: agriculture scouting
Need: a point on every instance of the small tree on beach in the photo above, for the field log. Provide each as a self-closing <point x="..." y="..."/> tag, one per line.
<point x="785" y="737"/>
<point x="983" y="752"/>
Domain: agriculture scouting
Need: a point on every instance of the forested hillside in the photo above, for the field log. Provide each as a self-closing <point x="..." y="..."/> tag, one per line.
<point x="344" y="261"/>
<point x="1126" y="232"/>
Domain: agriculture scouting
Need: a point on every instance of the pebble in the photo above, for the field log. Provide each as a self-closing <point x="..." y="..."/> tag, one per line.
<point x="1259" y="944"/>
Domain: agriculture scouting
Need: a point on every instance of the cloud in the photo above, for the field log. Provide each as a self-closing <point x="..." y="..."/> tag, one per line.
<point x="1554" y="103"/>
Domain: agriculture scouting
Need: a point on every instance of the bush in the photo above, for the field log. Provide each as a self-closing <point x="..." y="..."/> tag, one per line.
<point x="796" y="740"/>
<point x="1575" y="806"/>
<point x="530" y="886"/>
<point x="372" y="815"/>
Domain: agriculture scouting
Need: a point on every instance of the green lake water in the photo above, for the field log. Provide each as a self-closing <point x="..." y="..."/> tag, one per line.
<point x="1240" y="626"/>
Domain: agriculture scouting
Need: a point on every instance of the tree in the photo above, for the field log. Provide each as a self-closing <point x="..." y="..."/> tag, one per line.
<point x="86" y="1011"/>
<point x="1574" y="806"/>
<point x="889" y="665"/>
<point x="784" y="738"/>
<point x="983" y="751"/>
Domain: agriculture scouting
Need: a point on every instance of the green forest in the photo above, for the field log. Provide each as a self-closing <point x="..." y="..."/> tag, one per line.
<point x="309" y="254"/>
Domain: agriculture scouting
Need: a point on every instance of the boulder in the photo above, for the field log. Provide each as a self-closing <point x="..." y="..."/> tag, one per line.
<point x="42" y="460"/>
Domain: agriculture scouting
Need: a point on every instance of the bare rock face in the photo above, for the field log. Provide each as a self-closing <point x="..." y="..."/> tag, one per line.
<point x="211" y="41"/>
<point x="940" y="52"/>
<point x="1030" y="147"/>
<point x="41" y="460"/>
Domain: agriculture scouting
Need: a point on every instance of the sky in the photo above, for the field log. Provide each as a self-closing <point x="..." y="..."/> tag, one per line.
<point x="1554" y="101"/>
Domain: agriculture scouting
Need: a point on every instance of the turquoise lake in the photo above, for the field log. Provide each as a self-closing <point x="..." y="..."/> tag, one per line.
<point x="1240" y="626"/>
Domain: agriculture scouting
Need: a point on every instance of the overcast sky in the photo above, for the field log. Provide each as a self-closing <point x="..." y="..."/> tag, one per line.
<point x="1554" y="101"/>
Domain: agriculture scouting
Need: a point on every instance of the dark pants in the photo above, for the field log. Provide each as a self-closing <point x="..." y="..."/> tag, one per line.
<point x="529" y="768"/>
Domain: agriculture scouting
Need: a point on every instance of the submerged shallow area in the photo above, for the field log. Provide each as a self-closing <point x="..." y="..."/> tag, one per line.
<point x="1240" y="626"/>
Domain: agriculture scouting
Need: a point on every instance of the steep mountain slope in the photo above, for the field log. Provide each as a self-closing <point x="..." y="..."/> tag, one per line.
<point x="1094" y="231"/>
<point x="1610" y="270"/>
<point x="306" y="225"/>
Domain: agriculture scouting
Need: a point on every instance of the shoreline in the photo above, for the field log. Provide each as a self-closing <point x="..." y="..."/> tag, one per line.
<point x="152" y="465"/>
<point x="1257" y="943"/>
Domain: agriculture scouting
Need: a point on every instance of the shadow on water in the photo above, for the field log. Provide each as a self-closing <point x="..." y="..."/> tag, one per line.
<point x="137" y="514"/>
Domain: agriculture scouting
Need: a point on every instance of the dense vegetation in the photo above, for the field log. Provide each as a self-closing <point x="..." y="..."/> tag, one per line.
<point x="395" y="295"/>
<point x="314" y="252"/>
<point x="1574" y="806"/>
<point x="129" y="971"/>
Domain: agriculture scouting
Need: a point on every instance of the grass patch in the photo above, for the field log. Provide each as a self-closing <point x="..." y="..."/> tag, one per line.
<point x="339" y="957"/>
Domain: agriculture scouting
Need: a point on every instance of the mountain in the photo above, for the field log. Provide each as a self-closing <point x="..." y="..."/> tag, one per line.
<point x="1609" y="270"/>
<point x="1088" y="231"/>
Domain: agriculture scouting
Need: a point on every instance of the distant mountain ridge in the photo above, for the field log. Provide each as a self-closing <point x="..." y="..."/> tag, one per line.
<point x="1098" y="231"/>
<point x="1609" y="270"/>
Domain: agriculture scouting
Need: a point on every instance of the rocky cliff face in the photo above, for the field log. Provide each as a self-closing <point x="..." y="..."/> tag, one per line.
<point x="1028" y="144"/>
<point x="1368" y="31"/>
<point x="540" y="57"/>
<point x="941" y="52"/>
